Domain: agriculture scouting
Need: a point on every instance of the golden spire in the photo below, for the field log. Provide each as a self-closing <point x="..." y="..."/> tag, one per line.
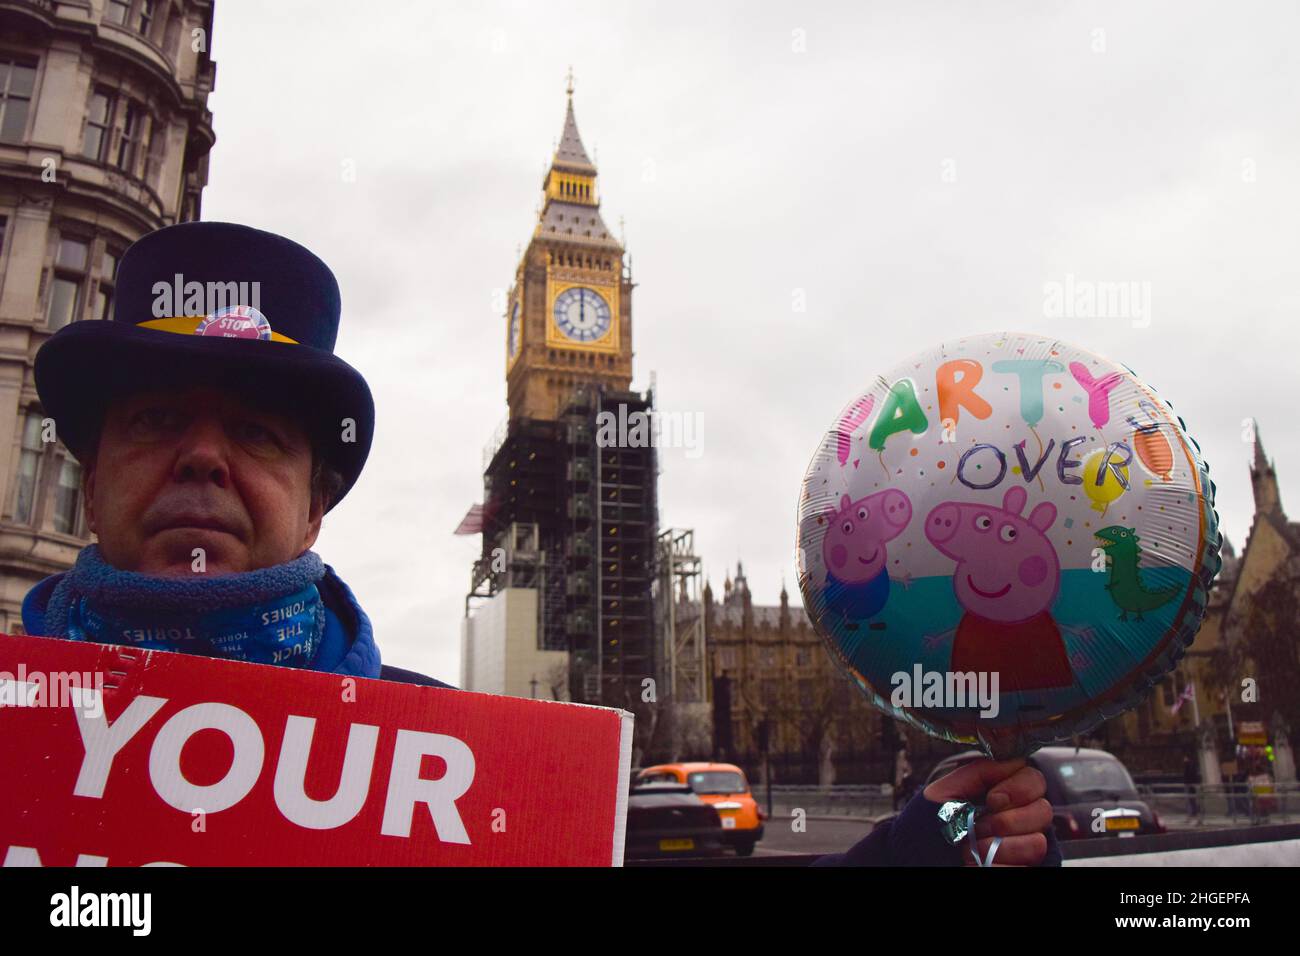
<point x="569" y="86"/>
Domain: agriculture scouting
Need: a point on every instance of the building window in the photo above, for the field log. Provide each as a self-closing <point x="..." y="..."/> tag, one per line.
<point x="117" y="11"/>
<point x="132" y="130"/>
<point x="157" y="141"/>
<point x="69" y="279"/>
<point x="806" y="694"/>
<point x="171" y="36"/>
<point x="17" y="80"/>
<point x="67" y="497"/>
<point x="29" y="469"/>
<point x="99" y="119"/>
<point x="146" y="17"/>
<point x="107" y="280"/>
<point x="803" y="656"/>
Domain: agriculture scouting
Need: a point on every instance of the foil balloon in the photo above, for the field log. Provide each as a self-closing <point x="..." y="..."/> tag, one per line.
<point x="982" y="554"/>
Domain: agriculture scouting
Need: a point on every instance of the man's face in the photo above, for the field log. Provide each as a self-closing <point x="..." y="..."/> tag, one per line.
<point x="194" y="468"/>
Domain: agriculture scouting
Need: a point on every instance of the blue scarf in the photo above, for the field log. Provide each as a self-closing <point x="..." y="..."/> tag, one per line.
<point x="273" y="615"/>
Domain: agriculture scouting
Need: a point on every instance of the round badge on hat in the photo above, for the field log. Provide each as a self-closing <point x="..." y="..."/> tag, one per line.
<point x="236" y="322"/>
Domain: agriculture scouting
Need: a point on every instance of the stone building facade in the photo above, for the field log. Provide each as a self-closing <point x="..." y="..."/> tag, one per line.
<point x="104" y="136"/>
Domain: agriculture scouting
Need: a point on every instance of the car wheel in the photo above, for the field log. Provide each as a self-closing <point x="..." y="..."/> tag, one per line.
<point x="745" y="848"/>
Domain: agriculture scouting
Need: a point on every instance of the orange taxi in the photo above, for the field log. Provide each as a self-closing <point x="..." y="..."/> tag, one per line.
<point x="724" y="787"/>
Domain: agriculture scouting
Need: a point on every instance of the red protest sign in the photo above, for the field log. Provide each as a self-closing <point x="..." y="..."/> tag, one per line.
<point x="122" y="757"/>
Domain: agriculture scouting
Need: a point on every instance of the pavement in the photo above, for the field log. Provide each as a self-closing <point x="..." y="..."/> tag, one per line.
<point x="822" y="834"/>
<point x="835" y="833"/>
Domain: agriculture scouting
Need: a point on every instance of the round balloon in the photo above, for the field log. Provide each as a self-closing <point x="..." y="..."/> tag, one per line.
<point x="1006" y="540"/>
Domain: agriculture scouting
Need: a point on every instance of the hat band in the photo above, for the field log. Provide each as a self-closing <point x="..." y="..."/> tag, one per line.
<point x="201" y="325"/>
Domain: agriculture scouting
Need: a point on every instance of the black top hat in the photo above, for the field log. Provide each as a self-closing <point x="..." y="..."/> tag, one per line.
<point x="215" y="303"/>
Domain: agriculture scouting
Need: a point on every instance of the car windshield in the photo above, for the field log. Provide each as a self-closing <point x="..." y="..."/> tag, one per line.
<point x="1088" y="778"/>
<point x="717" y="781"/>
<point x="656" y="777"/>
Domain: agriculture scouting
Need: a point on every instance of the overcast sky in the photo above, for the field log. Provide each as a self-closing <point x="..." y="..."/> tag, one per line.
<point x="911" y="172"/>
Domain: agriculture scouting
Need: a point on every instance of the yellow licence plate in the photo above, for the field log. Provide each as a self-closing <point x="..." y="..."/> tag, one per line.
<point x="677" y="844"/>
<point x="1122" y="823"/>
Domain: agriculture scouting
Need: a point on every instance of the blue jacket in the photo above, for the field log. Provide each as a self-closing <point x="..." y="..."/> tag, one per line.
<point x="913" y="838"/>
<point x="348" y="646"/>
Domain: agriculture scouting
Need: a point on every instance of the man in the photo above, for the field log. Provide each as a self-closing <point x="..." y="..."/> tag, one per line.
<point x="215" y="428"/>
<point x="902" y="776"/>
<point x="1191" y="780"/>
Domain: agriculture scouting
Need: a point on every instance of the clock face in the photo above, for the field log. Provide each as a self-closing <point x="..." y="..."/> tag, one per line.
<point x="582" y="314"/>
<point x="515" y="331"/>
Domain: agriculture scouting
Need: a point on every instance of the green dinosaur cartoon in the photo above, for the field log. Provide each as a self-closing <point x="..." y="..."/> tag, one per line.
<point x="1126" y="587"/>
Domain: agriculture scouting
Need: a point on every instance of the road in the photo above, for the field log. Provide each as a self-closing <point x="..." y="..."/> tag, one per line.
<point x="821" y="836"/>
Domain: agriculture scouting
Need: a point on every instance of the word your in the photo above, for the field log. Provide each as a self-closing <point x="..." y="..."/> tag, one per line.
<point x="202" y="298"/>
<point x="948" y="689"/>
<point x="103" y="909"/>
<point x="1084" y="299"/>
<point x="83" y="689"/>
<point x="651" y="429"/>
<point x="103" y="741"/>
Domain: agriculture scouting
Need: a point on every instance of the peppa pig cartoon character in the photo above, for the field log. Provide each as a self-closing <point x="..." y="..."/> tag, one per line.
<point x="1006" y="579"/>
<point x="857" y="584"/>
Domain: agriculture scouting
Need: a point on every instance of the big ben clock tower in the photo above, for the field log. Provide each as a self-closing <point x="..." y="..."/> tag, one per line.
<point x="561" y="600"/>
<point x="569" y="313"/>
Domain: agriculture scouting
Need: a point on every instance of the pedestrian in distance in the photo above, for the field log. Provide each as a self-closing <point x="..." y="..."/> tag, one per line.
<point x="902" y="777"/>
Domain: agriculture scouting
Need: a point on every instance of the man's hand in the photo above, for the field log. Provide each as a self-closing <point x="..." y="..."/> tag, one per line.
<point x="1017" y="811"/>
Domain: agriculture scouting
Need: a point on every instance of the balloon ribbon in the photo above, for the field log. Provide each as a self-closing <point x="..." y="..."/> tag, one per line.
<point x="957" y="820"/>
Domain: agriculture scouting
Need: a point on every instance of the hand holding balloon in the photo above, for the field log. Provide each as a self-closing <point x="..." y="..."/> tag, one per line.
<point x="1017" y="809"/>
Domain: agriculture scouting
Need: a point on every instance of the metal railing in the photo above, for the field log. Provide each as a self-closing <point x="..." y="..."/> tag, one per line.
<point x="1226" y="804"/>
<point x="865" y="800"/>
